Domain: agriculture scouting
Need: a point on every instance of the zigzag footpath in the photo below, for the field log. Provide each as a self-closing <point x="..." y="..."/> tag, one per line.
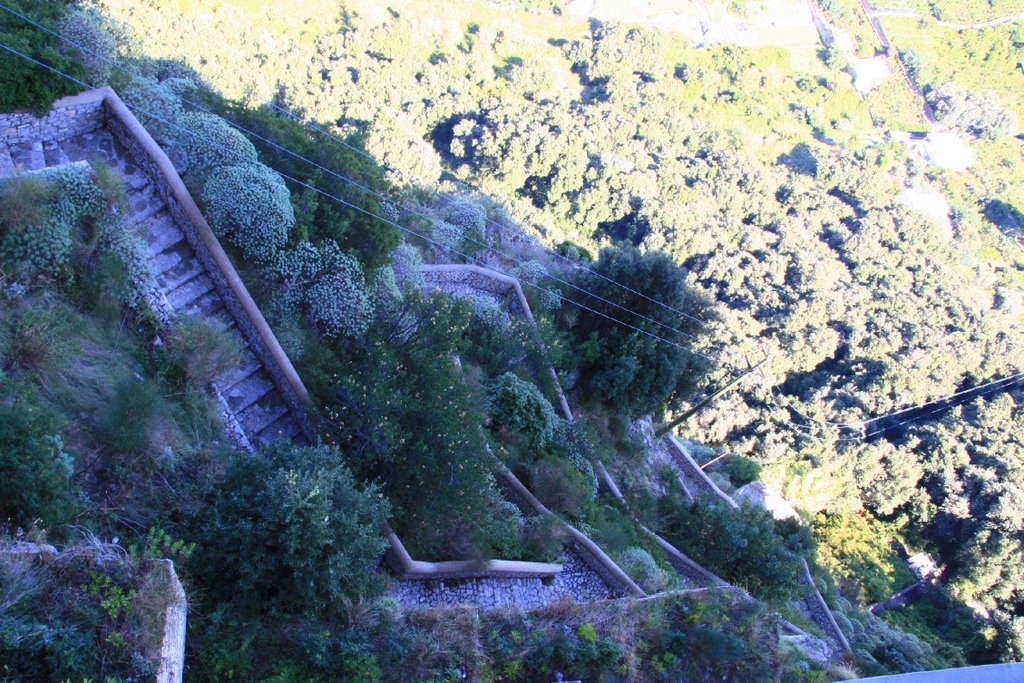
<point x="462" y="279"/>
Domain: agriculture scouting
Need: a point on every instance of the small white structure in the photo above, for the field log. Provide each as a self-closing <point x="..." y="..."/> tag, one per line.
<point x="758" y="493"/>
<point x="923" y="566"/>
<point x="947" y="150"/>
<point x="868" y="73"/>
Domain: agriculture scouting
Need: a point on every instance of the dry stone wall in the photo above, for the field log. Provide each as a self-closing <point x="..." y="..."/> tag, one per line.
<point x="69" y="117"/>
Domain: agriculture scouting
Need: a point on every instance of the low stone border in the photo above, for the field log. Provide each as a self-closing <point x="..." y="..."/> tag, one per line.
<point x="172" y="645"/>
<point x="693" y="471"/>
<point x="492" y="282"/>
<point x="816" y="605"/>
<point x="587" y="550"/>
<point x="405" y="567"/>
<point x="171" y="664"/>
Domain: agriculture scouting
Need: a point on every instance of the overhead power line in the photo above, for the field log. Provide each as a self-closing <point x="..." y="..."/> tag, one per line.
<point x="358" y="208"/>
<point x="370" y="191"/>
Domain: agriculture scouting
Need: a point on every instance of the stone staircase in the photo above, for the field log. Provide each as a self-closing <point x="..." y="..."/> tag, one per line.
<point x="254" y="411"/>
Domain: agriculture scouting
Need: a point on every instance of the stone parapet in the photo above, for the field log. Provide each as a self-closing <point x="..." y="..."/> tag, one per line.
<point x="69" y="116"/>
<point x="251" y="323"/>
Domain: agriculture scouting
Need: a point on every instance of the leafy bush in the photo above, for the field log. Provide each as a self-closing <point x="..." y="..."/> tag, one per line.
<point x="560" y="486"/>
<point x="468" y="216"/>
<point x="210" y="142"/>
<point x="520" y="406"/>
<point x="328" y="286"/>
<point x="35" y="470"/>
<point x="289" y="531"/>
<point x="39" y="215"/>
<point x="251" y="206"/>
<point x="642" y="568"/>
<point x="742" y="470"/>
<point x="740" y="545"/>
<point x="405" y="261"/>
<point x="449" y="237"/>
<point x="980" y="114"/>
<point x="26" y="85"/>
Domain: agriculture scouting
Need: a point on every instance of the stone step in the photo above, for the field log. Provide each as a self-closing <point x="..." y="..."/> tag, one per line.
<point x="248" y="391"/>
<point x="54" y="155"/>
<point x="259" y="416"/>
<point x="229" y="378"/>
<point x="221" y="318"/>
<point x="173" y="268"/>
<point x="142" y="201"/>
<point x="283" y="429"/>
<point x="7" y="168"/>
<point x="205" y="306"/>
<point x="189" y="292"/>
<point x="162" y="233"/>
<point x="28" y="157"/>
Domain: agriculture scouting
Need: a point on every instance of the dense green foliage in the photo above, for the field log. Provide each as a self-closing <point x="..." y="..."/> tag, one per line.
<point x="633" y="369"/>
<point x="24" y="85"/>
<point x="289" y="531"/>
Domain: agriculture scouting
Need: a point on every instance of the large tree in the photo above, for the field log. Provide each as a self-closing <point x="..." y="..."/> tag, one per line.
<point x="640" y="365"/>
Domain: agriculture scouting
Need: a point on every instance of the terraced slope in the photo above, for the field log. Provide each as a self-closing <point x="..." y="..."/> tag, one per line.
<point x="254" y="411"/>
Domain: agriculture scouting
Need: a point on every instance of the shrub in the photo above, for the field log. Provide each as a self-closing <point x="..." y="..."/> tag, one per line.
<point x="289" y="531"/>
<point x="103" y="37"/>
<point x="405" y="261"/>
<point x="118" y="237"/>
<point x="251" y="206"/>
<point x="448" y="237"/>
<point x="210" y="142"/>
<point x="641" y="567"/>
<point x="742" y="470"/>
<point x="560" y="486"/>
<point x="39" y="214"/>
<point x="520" y="407"/>
<point x="328" y="286"/>
<point x="130" y="421"/>
<point x="468" y="216"/>
<point x="23" y="84"/>
<point x="35" y="470"/>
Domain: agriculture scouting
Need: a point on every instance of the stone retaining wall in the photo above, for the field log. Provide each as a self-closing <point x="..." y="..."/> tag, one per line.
<point x="692" y="471"/>
<point x="251" y="323"/>
<point x="69" y="116"/>
<point x="172" y="645"/>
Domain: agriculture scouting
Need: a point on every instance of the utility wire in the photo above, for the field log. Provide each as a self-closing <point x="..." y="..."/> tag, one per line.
<point x="354" y="183"/>
<point x="356" y="207"/>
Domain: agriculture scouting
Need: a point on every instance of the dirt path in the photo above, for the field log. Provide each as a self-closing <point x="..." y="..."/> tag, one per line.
<point x="882" y="12"/>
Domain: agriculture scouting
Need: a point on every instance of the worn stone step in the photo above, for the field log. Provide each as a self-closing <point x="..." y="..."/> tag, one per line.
<point x="221" y="318"/>
<point x="28" y="157"/>
<point x="142" y="201"/>
<point x="205" y="306"/>
<point x="174" y="269"/>
<point x="54" y="155"/>
<point x="229" y="378"/>
<point x="189" y="292"/>
<point x="283" y="428"/>
<point x="162" y="233"/>
<point x="248" y="391"/>
<point x="178" y="254"/>
<point x="259" y="416"/>
<point x="7" y="168"/>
